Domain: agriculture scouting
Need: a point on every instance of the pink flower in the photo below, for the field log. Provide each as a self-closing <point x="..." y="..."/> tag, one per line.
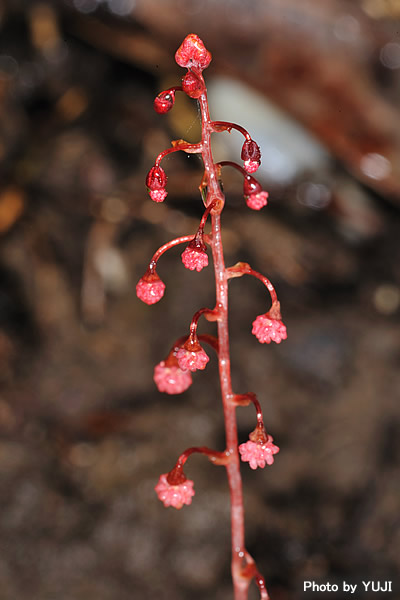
<point x="174" y="495"/>
<point x="156" y="181"/>
<point x="194" y="258"/>
<point x="258" y="454"/>
<point x="150" y="288"/>
<point x="193" y="53"/>
<point x="171" y="380"/>
<point x="257" y="201"/>
<point x="269" y="330"/>
<point x="193" y="358"/>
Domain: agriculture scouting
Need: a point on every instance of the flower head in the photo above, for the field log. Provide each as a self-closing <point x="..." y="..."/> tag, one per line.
<point x="258" y="454"/>
<point x="174" y="495"/>
<point x="251" y="156"/>
<point x="156" y="181"/>
<point x="193" y="53"/>
<point x="268" y="329"/>
<point x="192" y="359"/>
<point x="194" y="257"/>
<point x="171" y="379"/>
<point x="150" y="288"/>
<point x="257" y="201"/>
<point x="164" y="101"/>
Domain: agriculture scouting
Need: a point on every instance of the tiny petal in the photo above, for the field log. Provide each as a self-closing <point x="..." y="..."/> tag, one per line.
<point x="171" y="380"/>
<point x="251" y="166"/>
<point x="174" y="495"/>
<point x="158" y="195"/>
<point x="257" y="201"/>
<point x="193" y="53"/>
<point x="194" y="259"/>
<point x="269" y="330"/>
<point x="192" y="360"/>
<point x="150" y="289"/>
<point x="258" y="455"/>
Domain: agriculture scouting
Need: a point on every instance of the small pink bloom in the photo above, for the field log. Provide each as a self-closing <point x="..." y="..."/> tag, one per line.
<point x="258" y="454"/>
<point x="193" y="53"/>
<point x="269" y="330"/>
<point x="150" y="288"/>
<point x="257" y="201"/>
<point x="192" y="360"/>
<point x="251" y="166"/>
<point x="174" y="495"/>
<point x="194" y="258"/>
<point x="171" y="380"/>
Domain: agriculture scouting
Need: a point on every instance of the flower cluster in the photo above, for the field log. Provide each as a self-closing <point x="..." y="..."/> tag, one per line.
<point x="173" y="375"/>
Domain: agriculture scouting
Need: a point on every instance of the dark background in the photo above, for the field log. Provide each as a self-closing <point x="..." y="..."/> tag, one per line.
<point x="84" y="432"/>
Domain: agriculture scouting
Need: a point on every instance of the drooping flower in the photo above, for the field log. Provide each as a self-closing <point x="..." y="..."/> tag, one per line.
<point x="257" y="201"/>
<point x="191" y="356"/>
<point x="164" y="101"/>
<point x="258" y="454"/>
<point x="267" y="329"/>
<point x="150" y="288"/>
<point x="156" y="181"/>
<point x="253" y="193"/>
<point x="193" y="53"/>
<point x="174" y="495"/>
<point x="194" y="257"/>
<point x="251" y="156"/>
<point x="171" y="379"/>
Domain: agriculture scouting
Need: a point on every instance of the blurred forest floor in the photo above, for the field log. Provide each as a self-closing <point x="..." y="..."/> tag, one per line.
<point x="84" y="432"/>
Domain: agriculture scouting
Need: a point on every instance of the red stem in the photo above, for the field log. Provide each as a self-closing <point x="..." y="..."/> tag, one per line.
<point x="227" y="126"/>
<point x="165" y="247"/>
<point x="242" y="268"/>
<point x="176" y="147"/>
<point x="214" y="192"/>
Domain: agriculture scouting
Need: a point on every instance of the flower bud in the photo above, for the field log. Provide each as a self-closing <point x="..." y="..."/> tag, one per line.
<point x="192" y="85"/>
<point x="156" y="181"/>
<point x="193" y="53"/>
<point x="251" y="156"/>
<point x="164" y="101"/>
